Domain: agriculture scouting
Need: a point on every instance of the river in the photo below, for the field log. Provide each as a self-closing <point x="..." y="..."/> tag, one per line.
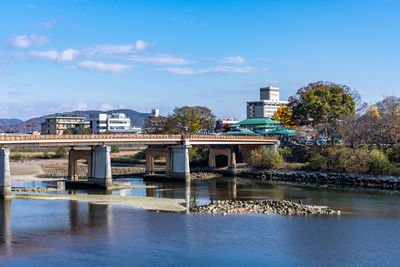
<point x="70" y="233"/>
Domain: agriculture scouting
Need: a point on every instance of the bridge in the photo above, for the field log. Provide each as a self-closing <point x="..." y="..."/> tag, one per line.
<point x="96" y="150"/>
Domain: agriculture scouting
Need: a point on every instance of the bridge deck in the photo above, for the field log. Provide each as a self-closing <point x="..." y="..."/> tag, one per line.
<point x="111" y="139"/>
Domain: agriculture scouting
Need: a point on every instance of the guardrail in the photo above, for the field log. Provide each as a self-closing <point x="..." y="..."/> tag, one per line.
<point x="131" y="137"/>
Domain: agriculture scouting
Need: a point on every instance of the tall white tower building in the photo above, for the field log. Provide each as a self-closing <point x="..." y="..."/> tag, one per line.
<point x="267" y="105"/>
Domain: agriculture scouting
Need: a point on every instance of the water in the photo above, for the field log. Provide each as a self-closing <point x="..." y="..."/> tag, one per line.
<point x="71" y="233"/>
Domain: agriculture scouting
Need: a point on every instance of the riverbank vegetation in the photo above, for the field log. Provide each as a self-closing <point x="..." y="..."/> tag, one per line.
<point x="343" y="134"/>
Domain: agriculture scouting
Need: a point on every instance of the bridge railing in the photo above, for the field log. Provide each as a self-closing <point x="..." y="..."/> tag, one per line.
<point x="133" y="137"/>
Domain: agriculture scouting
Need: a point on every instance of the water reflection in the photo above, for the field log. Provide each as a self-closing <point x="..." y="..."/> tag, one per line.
<point x="5" y="223"/>
<point x="93" y="234"/>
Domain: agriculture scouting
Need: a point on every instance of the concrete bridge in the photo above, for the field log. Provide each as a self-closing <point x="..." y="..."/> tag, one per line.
<point x="173" y="147"/>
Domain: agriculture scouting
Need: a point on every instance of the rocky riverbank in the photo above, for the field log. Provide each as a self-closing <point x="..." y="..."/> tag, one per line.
<point x="281" y="207"/>
<point x="324" y="179"/>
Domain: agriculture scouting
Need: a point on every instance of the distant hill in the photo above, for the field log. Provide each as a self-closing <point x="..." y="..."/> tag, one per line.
<point x="137" y="119"/>
<point x="9" y="121"/>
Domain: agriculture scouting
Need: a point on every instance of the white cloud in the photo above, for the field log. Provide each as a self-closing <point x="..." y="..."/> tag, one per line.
<point x="106" y="107"/>
<point x="65" y="56"/>
<point x="81" y="106"/>
<point x="100" y="50"/>
<point x="68" y="55"/>
<point x="141" y="45"/>
<point x="51" y="54"/>
<point x="103" y="67"/>
<point x="107" y="49"/>
<point x="159" y="59"/>
<point x="25" y="41"/>
<point x="217" y="69"/>
<point x="234" y="60"/>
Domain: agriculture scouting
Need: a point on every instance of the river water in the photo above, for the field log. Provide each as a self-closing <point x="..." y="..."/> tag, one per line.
<point x="71" y="233"/>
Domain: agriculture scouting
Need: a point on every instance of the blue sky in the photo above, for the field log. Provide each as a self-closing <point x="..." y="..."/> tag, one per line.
<point x="65" y="55"/>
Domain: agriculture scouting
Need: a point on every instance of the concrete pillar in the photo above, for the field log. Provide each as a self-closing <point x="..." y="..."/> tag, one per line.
<point x="5" y="181"/>
<point x="232" y="163"/>
<point x="72" y="166"/>
<point x="180" y="161"/>
<point x="149" y="162"/>
<point x="101" y="166"/>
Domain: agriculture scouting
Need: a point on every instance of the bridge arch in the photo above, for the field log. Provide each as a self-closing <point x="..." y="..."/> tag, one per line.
<point x="74" y="157"/>
<point x="151" y="153"/>
<point x="218" y="152"/>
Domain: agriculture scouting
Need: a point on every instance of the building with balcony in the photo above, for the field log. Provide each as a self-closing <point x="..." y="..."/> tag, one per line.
<point x="58" y="124"/>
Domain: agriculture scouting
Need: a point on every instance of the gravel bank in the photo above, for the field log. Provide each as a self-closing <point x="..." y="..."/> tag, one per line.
<point x="281" y="207"/>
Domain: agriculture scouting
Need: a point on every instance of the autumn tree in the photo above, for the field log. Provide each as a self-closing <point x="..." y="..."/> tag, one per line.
<point x="189" y="120"/>
<point x="378" y="126"/>
<point x="322" y="102"/>
<point x="285" y="116"/>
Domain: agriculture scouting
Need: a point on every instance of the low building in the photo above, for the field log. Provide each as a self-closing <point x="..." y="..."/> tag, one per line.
<point x="57" y="125"/>
<point x="267" y="105"/>
<point x="262" y="126"/>
<point x="223" y="124"/>
<point x="114" y="123"/>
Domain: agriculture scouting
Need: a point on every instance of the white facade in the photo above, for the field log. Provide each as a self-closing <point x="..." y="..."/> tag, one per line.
<point x="114" y="123"/>
<point x="267" y="105"/>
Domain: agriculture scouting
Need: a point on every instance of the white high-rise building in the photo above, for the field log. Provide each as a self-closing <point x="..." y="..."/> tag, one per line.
<point x="267" y="105"/>
<point x="114" y="123"/>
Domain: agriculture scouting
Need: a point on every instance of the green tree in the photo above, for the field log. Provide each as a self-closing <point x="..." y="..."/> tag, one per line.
<point x="322" y="102"/>
<point x="189" y="120"/>
<point x="77" y="130"/>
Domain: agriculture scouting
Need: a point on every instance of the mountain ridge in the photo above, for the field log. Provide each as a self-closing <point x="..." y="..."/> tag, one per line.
<point x="33" y="124"/>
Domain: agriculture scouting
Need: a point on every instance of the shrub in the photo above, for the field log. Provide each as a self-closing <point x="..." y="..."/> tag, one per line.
<point x="265" y="158"/>
<point x="61" y="152"/>
<point x="317" y="163"/>
<point x="46" y="155"/>
<point x="140" y="155"/>
<point x="16" y="157"/>
<point x="286" y="153"/>
<point x="114" y="149"/>
<point x="379" y="162"/>
<point x="393" y="154"/>
<point x="354" y="160"/>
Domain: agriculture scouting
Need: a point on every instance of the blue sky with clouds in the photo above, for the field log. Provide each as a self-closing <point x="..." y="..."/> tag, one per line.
<point x="65" y="55"/>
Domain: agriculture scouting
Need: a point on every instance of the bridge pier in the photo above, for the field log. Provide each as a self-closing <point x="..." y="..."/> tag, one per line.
<point x="101" y="166"/>
<point x="151" y="153"/>
<point x="73" y="157"/>
<point x="5" y="180"/>
<point x="179" y="166"/>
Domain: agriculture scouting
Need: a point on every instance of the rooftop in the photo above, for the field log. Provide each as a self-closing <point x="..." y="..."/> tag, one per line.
<point x="258" y="121"/>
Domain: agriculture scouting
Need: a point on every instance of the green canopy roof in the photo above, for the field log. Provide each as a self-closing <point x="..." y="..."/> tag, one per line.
<point x="259" y="121"/>
<point x="281" y="131"/>
<point x="240" y="131"/>
<point x="265" y="126"/>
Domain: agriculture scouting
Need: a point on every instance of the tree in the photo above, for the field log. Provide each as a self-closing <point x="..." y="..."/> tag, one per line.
<point x="378" y="126"/>
<point x="322" y="102"/>
<point x="285" y="116"/>
<point x="189" y="120"/>
<point x="155" y="124"/>
<point x="77" y="130"/>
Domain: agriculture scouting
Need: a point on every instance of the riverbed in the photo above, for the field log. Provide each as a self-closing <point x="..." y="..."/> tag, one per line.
<point x="69" y="232"/>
